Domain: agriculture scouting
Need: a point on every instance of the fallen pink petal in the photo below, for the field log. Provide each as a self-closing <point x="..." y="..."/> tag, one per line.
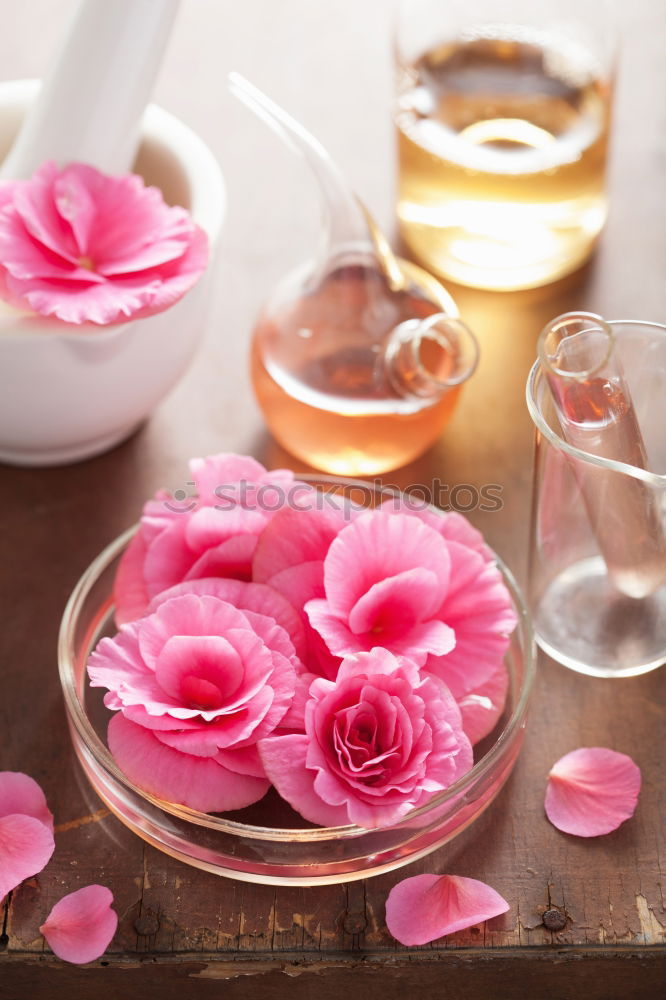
<point x="426" y="907"/>
<point x="592" y="791"/>
<point x="26" y="830"/>
<point x="86" y="247"/>
<point x="19" y="793"/>
<point x="26" y="846"/>
<point x="80" y="927"/>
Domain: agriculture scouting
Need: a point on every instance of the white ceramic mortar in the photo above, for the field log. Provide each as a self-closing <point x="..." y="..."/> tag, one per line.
<point x="69" y="392"/>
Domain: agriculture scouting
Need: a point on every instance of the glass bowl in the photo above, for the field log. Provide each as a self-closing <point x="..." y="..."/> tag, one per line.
<point x="268" y="842"/>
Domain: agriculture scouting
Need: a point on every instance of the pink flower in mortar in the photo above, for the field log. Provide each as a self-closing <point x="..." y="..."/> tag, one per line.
<point x="214" y="533"/>
<point x="83" y="246"/>
<point x="392" y="579"/>
<point x="379" y="740"/>
<point x="196" y="684"/>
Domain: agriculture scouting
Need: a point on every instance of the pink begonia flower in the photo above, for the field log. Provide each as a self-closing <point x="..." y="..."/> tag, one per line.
<point x="450" y="524"/>
<point x="263" y="601"/>
<point x="390" y="578"/>
<point x="425" y="907"/>
<point x="213" y="533"/>
<point x="385" y="577"/>
<point x="26" y="830"/>
<point x="196" y="685"/>
<point x="482" y="630"/>
<point x="81" y="925"/>
<point x="257" y="597"/>
<point x="87" y="247"/>
<point x="379" y="740"/>
<point x="478" y="608"/>
<point x="592" y="791"/>
<point x="290" y="557"/>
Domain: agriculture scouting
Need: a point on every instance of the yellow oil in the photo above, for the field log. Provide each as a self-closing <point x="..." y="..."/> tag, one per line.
<point x="502" y="146"/>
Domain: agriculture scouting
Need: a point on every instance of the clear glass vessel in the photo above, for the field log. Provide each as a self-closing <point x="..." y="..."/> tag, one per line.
<point x="268" y="842"/>
<point x="502" y="117"/>
<point x="597" y="579"/>
<point x="358" y="357"/>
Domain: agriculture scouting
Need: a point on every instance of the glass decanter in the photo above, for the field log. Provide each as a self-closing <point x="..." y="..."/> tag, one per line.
<point x="357" y="357"/>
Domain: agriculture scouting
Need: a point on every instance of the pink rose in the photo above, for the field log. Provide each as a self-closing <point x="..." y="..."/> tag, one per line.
<point x="196" y="684"/>
<point x="213" y="533"/>
<point x="379" y="741"/>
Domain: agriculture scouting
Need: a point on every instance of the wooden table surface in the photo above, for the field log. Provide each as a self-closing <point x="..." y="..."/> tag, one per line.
<point x="181" y="930"/>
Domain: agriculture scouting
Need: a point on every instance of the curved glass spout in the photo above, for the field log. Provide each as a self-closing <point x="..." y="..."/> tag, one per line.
<point x="428" y="357"/>
<point x="354" y="361"/>
<point x="348" y="222"/>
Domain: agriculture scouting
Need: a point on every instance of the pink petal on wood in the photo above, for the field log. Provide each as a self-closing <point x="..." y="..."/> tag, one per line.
<point x="283" y="758"/>
<point x="425" y="907"/>
<point x="26" y="845"/>
<point x="591" y="791"/>
<point x="19" y="793"/>
<point x="197" y="782"/>
<point x="81" y="925"/>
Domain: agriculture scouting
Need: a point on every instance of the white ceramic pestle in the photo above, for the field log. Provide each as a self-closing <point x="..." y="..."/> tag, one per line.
<point x="92" y="100"/>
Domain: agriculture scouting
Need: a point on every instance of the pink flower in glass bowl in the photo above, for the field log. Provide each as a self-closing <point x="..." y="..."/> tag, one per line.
<point x="422" y="586"/>
<point x="195" y="686"/>
<point x="379" y="741"/>
<point x="214" y="533"/>
<point x="83" y="246"/>
<point x="290" y="557"/>
<point x="385" y="576"/>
